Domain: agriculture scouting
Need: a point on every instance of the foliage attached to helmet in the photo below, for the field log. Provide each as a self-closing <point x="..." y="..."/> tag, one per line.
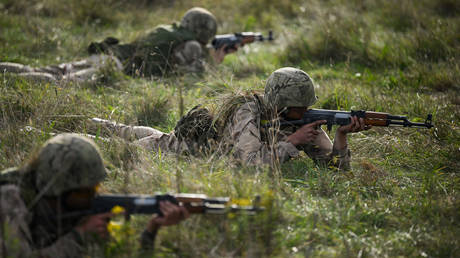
<point x="198" y="127"/>
<point x="289" y="87"/>
<point x="201" y="22"/>
<point x="68" y="162"/>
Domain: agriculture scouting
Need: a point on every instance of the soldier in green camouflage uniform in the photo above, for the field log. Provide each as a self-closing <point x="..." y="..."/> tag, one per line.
<point x="62" y="178"/>
<point x="288" y="94"/>
<point x="177" y="47"/>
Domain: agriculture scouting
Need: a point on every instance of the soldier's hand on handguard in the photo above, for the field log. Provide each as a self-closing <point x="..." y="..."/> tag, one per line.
<point x="172" y="215"/>
<point x="219" y="54"/>
<point x="356" y="125"/>
<point x="306" y="134"/>
<point x="96" y="224"/>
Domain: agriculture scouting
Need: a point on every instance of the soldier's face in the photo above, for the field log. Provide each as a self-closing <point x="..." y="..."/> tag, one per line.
<point x="81" y="198"/>
<point x="295" y="113"/>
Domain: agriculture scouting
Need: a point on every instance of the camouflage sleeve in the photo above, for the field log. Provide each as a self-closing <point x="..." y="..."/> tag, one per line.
<point x="15" y="236"/>
<point x="322" y="152"/>
<point x="189" y="57"/>
<point x="69" y="245"/>
<point x="248" y="145"/>
<point x="147" y="137"/>
<point x="126" y="132"/>
<point x="166" y="142"/>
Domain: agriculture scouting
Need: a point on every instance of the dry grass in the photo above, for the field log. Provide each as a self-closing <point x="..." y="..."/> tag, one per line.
<point x="401" y="197"/>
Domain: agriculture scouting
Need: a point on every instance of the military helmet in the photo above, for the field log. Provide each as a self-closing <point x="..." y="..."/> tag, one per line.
<point x="201" y="22"/>
<point x="67" y="162"/>
<point x="289" y="87"/>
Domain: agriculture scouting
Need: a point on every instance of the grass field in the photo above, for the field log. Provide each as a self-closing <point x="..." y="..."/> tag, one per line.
<point x="401" y="197"/>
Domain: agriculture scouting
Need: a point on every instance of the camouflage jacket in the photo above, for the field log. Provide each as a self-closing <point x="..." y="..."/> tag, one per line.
<point x="34" y="232"/>
<point x="17" y="238"/>
<point x="253" y="144"/>
<point x="167" y="48"/>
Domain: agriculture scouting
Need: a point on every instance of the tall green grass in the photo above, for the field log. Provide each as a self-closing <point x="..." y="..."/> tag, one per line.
<point x="401" y="197"/>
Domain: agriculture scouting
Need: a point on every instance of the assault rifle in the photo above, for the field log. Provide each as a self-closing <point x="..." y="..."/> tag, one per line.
<point x="241" y="38"/>
<point x="336" y="117"/>
<point x="149" y="204"/>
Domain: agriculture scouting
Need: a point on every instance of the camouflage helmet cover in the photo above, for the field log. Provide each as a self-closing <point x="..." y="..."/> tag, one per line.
<point x="289" y="87"/>
<point x="67" y="162"/>
<point x="201" y="22"/>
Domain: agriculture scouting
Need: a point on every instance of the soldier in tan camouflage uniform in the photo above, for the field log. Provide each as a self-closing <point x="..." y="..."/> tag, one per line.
<point x="288" y="94"/>
<point x="177" y="47"/>
<point x="63" y="177"/>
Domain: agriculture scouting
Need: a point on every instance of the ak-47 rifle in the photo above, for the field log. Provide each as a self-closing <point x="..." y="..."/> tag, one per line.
<point x="337" y="117"/>
<point x="149" y="204"/>
<point x="241" y="38"/>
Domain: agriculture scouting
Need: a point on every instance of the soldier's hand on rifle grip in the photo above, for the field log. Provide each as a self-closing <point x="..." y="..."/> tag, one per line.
<point x="356" y="125"/>
<point x="306" y="134"/>
<point x="172" y="215"/>
<point x="219" y="54"/>
<point x="96" y="224"/>
<point x="231" y="49"/>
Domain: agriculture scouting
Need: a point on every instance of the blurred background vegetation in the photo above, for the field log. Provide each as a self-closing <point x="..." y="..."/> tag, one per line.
<point x="401" y="197"/>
